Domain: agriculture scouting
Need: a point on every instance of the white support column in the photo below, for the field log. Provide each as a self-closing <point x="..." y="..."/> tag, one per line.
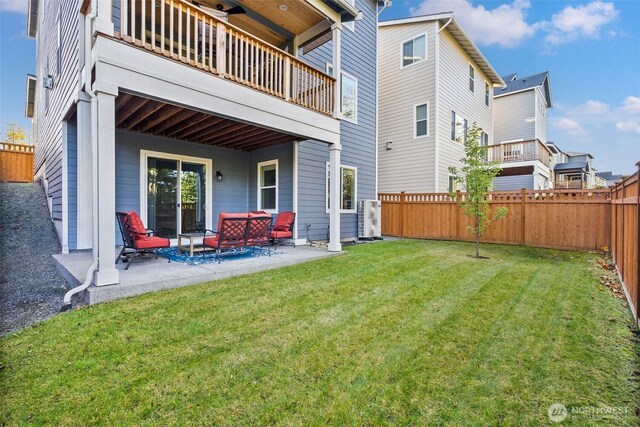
<point x="65" y="188"/>
<point x="337" y="67"/>
<point x="105" y="207"/>
<point x="85" y="174"/>
<point x="334" y="208"/>
<point x="104" y="23"/>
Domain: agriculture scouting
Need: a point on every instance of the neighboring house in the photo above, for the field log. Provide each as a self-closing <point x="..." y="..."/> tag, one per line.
<point x="434" y="84"/>
<point x="607" y="179"/>
<point x="575" y="172"/>
<point x="520" y="133"/>
<point x="162" y="108"/>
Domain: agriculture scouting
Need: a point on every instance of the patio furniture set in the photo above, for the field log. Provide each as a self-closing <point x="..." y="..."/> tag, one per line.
<point x="235" y="231"/>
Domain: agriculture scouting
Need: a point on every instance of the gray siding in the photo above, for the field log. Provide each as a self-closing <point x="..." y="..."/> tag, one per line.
<point x="50" y="104"/>
<point x="72" y="184"/>
<point x="513" y="116"/>
<point x="358" y="140"/>
<point x="515" y="182"/>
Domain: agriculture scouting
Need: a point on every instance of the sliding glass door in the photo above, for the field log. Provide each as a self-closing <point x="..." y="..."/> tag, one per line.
<point x="175" y="195"/>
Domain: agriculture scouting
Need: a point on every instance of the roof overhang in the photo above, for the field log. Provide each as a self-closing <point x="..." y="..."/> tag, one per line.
<point x="32" y="18"/>
<point x="448" y="22"/>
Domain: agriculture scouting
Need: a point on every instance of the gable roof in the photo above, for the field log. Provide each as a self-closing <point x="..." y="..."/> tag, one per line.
<point x="577" y="153"/>
<point x="515" y="85"/>
<point x="447" y="20"/>
<point x="609" y="176"/>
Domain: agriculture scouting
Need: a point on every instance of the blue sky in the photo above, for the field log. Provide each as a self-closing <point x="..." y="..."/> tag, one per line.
<point x="590" y="48"/>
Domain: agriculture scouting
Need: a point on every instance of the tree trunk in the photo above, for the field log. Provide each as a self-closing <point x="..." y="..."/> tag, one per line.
<point x="477" y="240"/>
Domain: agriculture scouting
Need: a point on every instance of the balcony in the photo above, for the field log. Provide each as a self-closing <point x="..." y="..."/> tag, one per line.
<point x="572" y="185"/>
<point x="522" y="151"/>
<point x="186" y="33"/>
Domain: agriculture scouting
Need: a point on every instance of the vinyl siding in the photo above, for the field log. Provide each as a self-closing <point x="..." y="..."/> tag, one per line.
<point x="409" y="165"/>
<point x="358" y="140"/>
<point x="454" y="95"/>
<point x="51" y="104"/>
<point x="515" y="182"/>
<point x="511" y="113"/>
<point x="72" y="184"/>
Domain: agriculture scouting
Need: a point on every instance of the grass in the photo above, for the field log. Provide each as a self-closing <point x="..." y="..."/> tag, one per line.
<point x="405" y="332"/>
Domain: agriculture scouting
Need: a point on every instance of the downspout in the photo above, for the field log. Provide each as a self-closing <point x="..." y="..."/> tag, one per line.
<point x="94" y="146"/>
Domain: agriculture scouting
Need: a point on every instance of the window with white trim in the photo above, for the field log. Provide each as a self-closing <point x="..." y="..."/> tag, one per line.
<point x="421" y="120"/>
<point x="472" y="76"/>
<point x="268" y="186"/>
<point x="348" y="186"/>
<point x="459" y="127"/>
<point x="487" y="96"/>
<point x="484" y="138"/>
<point x="452" y="184"/>
<point x="349" y="95"/>
<point x="414" y="50"/>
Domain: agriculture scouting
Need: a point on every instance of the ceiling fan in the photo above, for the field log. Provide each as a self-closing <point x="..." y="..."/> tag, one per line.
<point x="236" y="10"/>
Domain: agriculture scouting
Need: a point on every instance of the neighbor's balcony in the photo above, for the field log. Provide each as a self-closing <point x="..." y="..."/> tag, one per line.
<point x="184" y="32"/>
<point x="522" y="151"/>
<point x="561" y="185"/>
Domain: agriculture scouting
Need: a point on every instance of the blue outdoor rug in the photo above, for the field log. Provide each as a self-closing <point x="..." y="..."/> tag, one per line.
<point x="209" y="257"/>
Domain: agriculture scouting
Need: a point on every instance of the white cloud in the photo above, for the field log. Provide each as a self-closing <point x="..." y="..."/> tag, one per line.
<point x="570" y="127"/>
<point x="631" y="104"/>
<point x="20" y="6"/>
<point x="630" y="126"/>
<point x="591" y="108"/>
<point x="581" y="21"/>
<point x="504" y="25"/>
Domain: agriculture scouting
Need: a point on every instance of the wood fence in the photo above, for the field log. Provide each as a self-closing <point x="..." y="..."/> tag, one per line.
<point x="577" y="219"/>
<point x="16" y="162"/>
<point x="625" y="237"/>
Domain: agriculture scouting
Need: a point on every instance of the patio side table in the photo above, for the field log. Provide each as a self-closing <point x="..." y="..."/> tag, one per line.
<point x="191" y="247"/>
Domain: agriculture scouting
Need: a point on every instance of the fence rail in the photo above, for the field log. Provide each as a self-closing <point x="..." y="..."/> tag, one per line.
<point x="16" y="162"/>
<point x="182" y="31"/>
<point x="625" y="237"/>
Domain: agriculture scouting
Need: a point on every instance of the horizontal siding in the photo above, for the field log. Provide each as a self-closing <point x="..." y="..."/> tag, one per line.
<point x="510" y="117"/>
<point x="72" y="184"/>
<point x="358" y="139"/>
<point x="454" y="95"/>
<point x="409" y="165"/>
<point x="515" y="182"/>
<point x="50" y="103"/>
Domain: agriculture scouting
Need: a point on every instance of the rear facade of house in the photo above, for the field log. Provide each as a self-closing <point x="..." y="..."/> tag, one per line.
<point x="181" y="111"/>
<point x="434" y="85"/>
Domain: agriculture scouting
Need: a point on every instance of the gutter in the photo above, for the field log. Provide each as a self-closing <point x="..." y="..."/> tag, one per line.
<point x="94" y="146"/>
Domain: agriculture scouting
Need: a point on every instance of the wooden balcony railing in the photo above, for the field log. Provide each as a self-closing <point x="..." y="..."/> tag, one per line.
<point x="523" y="151"/>
<point x="560" y="185"/>
<point x="182" y="31"/>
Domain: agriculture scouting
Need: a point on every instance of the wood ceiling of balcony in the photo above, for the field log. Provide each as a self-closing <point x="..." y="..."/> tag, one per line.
<point x="296" y="19"/>
<point x="138" y="114"/>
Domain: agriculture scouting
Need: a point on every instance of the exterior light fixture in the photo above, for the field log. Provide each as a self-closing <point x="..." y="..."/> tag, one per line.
<point x="389" y="145"/>
<point x="47" y="82"/>
<point x="219" y="175"/>
<point x="283" y="7"/>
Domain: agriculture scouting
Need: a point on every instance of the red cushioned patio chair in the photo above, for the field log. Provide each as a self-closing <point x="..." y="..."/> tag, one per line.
<point x="283" y="228"/>
<point x="136" y="238"/>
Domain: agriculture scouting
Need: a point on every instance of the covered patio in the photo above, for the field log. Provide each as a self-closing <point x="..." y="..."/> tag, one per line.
<point x="157" y="274"/>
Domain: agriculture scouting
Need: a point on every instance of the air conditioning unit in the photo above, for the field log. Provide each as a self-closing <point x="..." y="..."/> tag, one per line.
<point x="369" y="219"/>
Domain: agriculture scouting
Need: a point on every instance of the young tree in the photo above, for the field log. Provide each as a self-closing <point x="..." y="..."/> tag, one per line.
<point x="15" y="134"/>
<point x="477" y="174"/>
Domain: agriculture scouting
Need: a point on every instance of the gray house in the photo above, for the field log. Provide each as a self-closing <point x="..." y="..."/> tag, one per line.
<point x="182" y="110"/>
<point x="520" y="132"/>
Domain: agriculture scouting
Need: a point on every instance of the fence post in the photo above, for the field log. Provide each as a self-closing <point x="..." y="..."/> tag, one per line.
<point x="402" y="214"/>
<point x="637" y="302"/>
<point x="456" y="209"/>
<point x="523" y="219"/>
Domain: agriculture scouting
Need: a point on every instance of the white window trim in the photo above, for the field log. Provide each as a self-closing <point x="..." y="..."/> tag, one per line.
<point x="471" y="67"/>
<point x="455" y="184"/>
<point x="351" y="76"/>
<point x="464" y="135"/>
<point x="487" y="90"/>
<point x="145" y="154"/>
<point x="415" y="121"/>
<point x="326" y="189"/>
<point x="259" y="193"/>
<point x="426" y="50"/>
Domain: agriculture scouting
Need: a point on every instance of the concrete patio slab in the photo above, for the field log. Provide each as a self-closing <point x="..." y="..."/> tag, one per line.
<point x="157" y="274"/>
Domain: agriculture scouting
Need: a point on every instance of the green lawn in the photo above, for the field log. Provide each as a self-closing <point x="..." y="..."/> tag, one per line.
<point x="404" y="332"/>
